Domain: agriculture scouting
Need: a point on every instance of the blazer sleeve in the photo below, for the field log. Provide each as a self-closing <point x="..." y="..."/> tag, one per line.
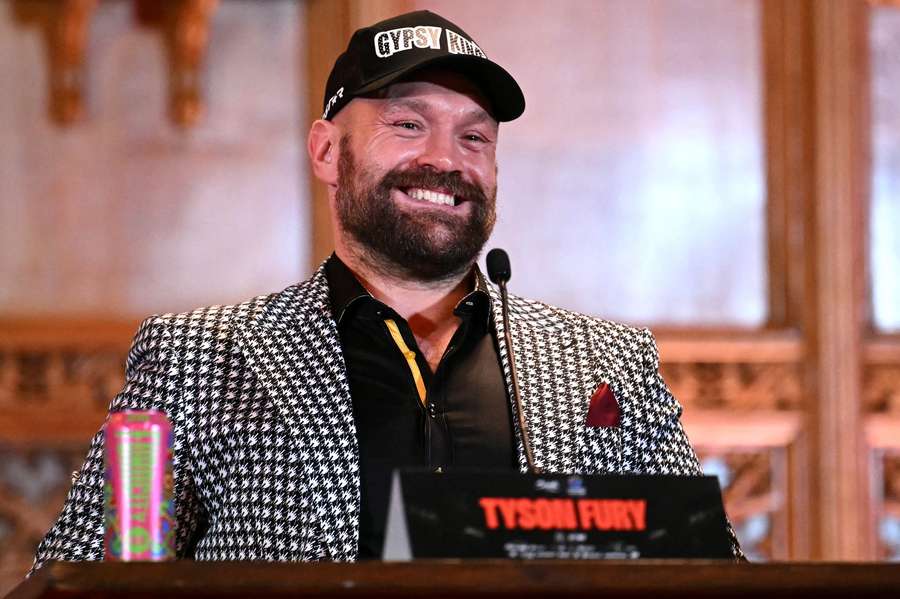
<point x="151" y="382"/>
<point x="667" y="450"/>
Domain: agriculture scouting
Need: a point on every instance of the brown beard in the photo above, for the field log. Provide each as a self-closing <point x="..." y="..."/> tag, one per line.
<point x="426" y="246"/>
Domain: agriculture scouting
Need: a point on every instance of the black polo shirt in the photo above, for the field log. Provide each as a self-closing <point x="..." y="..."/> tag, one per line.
<point x="466" y="420"/>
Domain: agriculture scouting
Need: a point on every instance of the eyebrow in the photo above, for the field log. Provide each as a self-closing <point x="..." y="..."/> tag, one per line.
<point x="475" y="115"/>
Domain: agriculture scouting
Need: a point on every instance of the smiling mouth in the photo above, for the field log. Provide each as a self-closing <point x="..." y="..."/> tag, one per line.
<point x="433" y="196"/>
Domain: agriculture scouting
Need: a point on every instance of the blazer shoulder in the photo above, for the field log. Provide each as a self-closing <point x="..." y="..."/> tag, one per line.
<point x="210" y="317"/>
<point x="542" y="312"/>
<point x="171" y="334"/>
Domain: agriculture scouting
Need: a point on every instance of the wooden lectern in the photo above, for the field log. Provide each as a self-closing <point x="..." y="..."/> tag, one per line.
<point x="462" y="579"/>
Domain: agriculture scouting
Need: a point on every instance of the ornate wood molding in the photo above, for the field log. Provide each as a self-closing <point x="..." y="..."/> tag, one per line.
<point x="733" y="370"/>
<point x="742" y="386"/>
<point x="185" y="27"/>
<point x="57" y="379"/>
<point x="881" y="377"/>
<point x="882" y="388"/>
<point x="64" y="25"/>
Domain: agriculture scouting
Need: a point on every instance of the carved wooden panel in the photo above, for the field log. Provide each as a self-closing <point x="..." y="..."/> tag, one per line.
<point x="753" y="455"/>
<point x="57" y="379"/>
<point x="733" y="370"/>
<point x="741" y="386"/>
<point x="882" y="388"/>
<point x="754" y="503"/>
<point x="33" y="485"/>
<point x="744" y="398"/>
<point x="883" y="436"/>
<point x="882" y="405"/>
<point x="888" y="518"/>
<point x="881" y="375"/>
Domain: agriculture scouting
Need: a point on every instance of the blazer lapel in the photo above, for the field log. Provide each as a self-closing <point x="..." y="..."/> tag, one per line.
<point x="558" y="371"/>
<point x="294" y="350"/>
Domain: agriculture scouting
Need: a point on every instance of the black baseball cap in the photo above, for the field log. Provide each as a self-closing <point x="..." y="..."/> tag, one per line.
<point x="394" y="48"/>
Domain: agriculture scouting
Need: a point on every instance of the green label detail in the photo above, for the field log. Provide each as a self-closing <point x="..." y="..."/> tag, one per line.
<point x="138" y="539"/>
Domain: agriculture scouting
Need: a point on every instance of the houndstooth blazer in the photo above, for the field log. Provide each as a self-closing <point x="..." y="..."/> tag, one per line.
<point x="266" y="461"/>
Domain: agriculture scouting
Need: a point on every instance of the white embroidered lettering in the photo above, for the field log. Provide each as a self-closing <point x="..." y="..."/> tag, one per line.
<point x="421" y="40"/>
<point x="382" y="44"/>
<point x="435" y="34"/>
<point x="388" y="43"/>
<point x="457" y="44"/>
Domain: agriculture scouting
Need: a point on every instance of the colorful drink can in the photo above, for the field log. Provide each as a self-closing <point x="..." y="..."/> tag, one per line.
<point x="139" y="511"/>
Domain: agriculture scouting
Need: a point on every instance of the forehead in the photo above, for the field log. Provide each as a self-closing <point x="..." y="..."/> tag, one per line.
<point x="437" y="91"/>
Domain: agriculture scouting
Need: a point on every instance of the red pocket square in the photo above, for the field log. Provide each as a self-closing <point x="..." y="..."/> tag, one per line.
<point x="604" y="410"/>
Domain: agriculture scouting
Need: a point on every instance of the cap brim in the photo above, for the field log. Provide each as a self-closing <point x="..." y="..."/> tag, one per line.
<point x="498" y="86"/>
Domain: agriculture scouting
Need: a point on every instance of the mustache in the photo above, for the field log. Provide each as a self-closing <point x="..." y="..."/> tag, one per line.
<point x="426" y="178"/>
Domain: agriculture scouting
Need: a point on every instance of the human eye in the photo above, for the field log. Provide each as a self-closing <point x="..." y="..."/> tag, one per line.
<point x="477" y="138"/>
<point x="408" y="125"/>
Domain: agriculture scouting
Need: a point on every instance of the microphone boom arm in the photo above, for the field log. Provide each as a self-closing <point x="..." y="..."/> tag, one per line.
<point x="523" y="426"/>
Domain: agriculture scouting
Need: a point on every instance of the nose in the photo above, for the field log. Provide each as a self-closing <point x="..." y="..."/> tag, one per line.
<point x="440" y="153"/>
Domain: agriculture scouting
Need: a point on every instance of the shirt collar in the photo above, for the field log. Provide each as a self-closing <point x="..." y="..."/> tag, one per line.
<point x="344" y="289"/>
<point x="477" y="301"/>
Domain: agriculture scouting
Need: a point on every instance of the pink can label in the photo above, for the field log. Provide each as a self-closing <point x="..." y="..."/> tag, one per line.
<point x="139" y="512"/>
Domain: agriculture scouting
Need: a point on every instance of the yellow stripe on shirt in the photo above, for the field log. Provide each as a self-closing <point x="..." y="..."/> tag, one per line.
<point x="410" y="357"/>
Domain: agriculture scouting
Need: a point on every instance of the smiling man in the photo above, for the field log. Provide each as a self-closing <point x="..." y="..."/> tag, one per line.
<point x="408" y="151"/>
<point x="291" y="410"/>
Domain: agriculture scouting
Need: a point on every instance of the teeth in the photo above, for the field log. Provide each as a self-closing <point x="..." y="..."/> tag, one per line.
<point x="435" y="197"/>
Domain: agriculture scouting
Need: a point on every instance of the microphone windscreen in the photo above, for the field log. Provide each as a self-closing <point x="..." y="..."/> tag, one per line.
<point x="498" y="266"/>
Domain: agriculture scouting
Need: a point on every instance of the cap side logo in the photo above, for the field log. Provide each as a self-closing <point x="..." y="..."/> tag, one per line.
<point x="457" y="44"/>
<point x="331" y="102"/>
<point x="388" y="43"/>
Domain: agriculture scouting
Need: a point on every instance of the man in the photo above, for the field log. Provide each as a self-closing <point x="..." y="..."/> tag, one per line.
<point x="291" y="410"/>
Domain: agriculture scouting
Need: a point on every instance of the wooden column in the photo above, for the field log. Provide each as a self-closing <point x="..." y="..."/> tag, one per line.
<point x="838" y="282"/>
<point x="789" y="145"/>
<point x="329" y="25"/>
<point x="789" y="94"/>
<point x="816" y="115"/>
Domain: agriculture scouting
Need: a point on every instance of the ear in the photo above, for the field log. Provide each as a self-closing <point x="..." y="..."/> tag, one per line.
<point x="322" y="146"/>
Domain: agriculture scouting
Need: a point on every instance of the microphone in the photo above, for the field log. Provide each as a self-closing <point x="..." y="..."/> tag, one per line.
<point x="500" y="272"/>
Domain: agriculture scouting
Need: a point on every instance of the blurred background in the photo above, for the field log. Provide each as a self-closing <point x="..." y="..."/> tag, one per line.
<point x="726" y="172"/>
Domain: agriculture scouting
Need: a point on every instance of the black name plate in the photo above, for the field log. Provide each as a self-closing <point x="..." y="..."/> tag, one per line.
<point x="479" y="514"/>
